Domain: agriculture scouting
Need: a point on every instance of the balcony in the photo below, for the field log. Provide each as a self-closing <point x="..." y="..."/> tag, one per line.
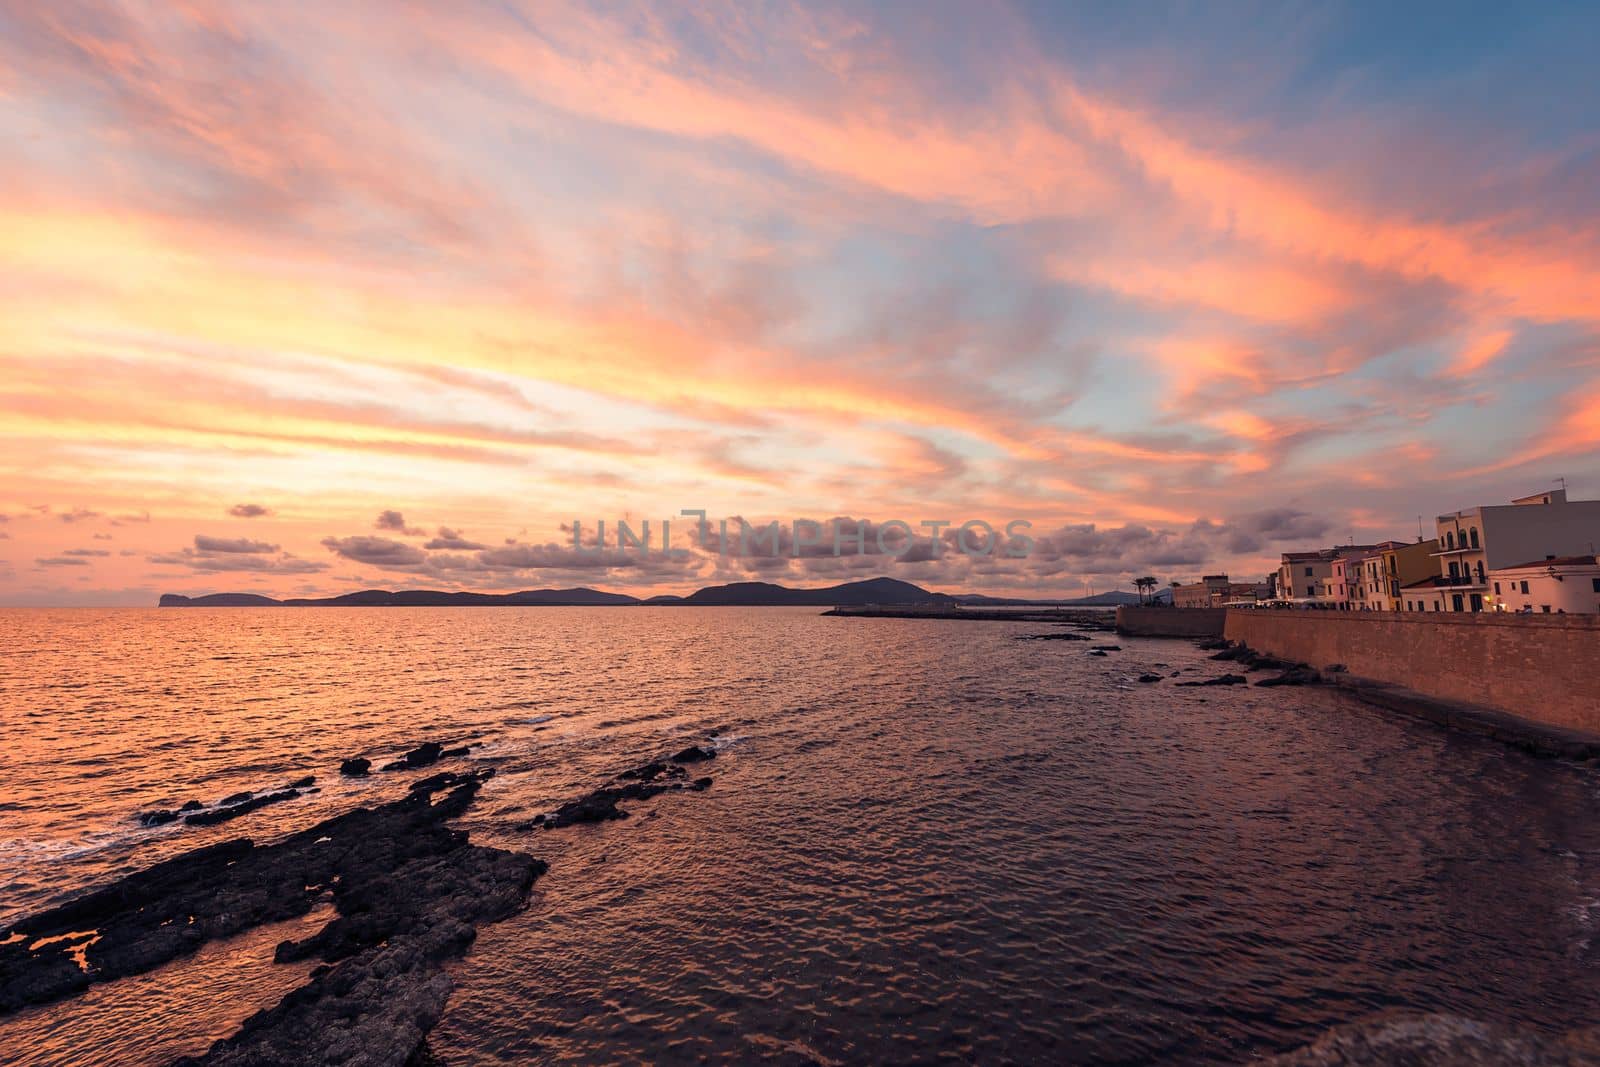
<point x="1464" y="581"/>
<point x="1457" y="551"/>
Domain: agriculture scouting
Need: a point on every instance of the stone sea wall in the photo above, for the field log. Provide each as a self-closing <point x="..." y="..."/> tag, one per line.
<point x="1541" y="667"/>
<point x="1170" y="622"/>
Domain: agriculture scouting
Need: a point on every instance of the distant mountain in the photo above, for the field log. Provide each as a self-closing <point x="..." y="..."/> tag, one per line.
<point x="409" y="598"/>
<point x="218" y="600"/>
<point x="765" y="594"/>
<point x="886" y="591"/>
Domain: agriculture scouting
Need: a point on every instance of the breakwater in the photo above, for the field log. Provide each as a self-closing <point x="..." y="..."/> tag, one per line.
<point x="1096" y="617"/>
<point x="1545" y="668"/>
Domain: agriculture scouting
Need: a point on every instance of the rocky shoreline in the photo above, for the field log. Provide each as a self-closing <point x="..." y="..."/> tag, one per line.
<point x="409" y="891"/>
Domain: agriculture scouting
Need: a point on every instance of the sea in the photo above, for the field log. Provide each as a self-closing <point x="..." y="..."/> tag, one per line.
<point x="926" y="840"/>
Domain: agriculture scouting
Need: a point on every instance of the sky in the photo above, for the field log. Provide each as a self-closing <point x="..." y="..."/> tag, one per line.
<point x="302" y="298"/>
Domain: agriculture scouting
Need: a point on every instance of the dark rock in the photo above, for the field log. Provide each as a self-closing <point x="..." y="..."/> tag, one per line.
<point x="435" y="782"/>
<point x="444" y="779"/>
<point x="303" y="783"/>
<point x="410" y="892"/>
<point x="1107" y="648"/>
<point x="1226" y="679"/>
<point x="1147" y="678"/>
<point x="1301" y="675"/>
<point x="233" y="811"/>
<point x="191" y="805"/>
<point x="236" y="798"/>
<point x="355" y="768"/>
<point x="1335" y="668"/>
<point x="1097" y="652"/>
<point x="649" y="772"/>
<point x="1213" y="644"/>
<point x="643" y="782"/>
<point x="455" y="753"/>
<point x="694" y="754"/>
<point x="158" y="817"/>
<point x="424" y="755"/>
<point x="1064" y="635"/>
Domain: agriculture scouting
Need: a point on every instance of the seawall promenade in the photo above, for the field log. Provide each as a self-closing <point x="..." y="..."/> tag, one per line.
<point x="1545" y="668"/>
<point x="1530" y="679"/>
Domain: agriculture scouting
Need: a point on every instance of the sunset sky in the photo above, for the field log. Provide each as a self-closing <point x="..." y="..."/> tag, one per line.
<point x="305" y="298"/>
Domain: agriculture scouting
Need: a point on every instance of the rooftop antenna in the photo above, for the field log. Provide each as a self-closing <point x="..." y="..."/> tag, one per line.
<point x="1419" y="529"/>
<point x="1562" y="482"/>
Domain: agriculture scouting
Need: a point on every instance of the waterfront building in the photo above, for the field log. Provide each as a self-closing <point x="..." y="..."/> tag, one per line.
<point x="1217" y="590"/>
<point x="1474" y="542"/>
<point x="1207" y="592"/>
<point x="1555" y="585"/>
<point x="1318" y="579"/>
<point x="1389" y="567"/>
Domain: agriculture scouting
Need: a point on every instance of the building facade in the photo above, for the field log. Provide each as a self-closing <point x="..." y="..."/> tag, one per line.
<point x="1559" y="585"/>
<point x="1474" y="542"/>
<point x="1202" y="594"/>
<point x="1320" y="579"/>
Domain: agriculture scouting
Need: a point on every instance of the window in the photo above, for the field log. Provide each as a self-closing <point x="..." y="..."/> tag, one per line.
<point x="1310" y="591"/>
<point x="1524" y="588"/>
<point x="1496" y="588"/>
<point x="1472" y="533"/>
<point x="1596" y="583"/>
<point x="1545" y="608"/>
<point x="1308" y="572"/>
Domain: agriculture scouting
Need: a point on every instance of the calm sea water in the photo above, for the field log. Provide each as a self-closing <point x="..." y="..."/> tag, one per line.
<point x="926" y="839"/>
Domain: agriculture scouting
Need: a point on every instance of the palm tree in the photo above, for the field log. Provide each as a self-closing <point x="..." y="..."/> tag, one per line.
<point x="1145" y="585"/>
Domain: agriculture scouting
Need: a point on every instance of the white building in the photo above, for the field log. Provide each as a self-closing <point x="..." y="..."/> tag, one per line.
<point x="1558" y="585"/>
<point x="1474" y="542"/>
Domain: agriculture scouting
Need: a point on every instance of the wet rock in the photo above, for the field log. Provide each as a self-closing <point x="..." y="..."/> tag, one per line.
<point x="643" y="782"/>
<point x="355" y="768"/>
<point x="1335" y="668"/>
<point x="303" y="783"/>
<point x="1097" y="652"/>
<point x="1064" y="635"/>
<point x="1148" y="678"/>
<point x="1300" y="675"/>
<point x="236" y="798"/>
<point x="1107" y="648"/>
<point x="1213" y="644"/>
<point x="191" y="805"/>
<point x="424" y="755"/>
<point x="694" y="754"/>
<point x="158" y="817"/>
<point x="1226" y="679"/>
<point x="455" y="753"/>
<point x="409" y="889"/>
<point x="649" y="772"/>
<point x="445" y="779"/>
<point x="233" y="811"/>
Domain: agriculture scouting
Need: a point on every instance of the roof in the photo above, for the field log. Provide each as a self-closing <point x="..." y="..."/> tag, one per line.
<point x="1557" y="561"/>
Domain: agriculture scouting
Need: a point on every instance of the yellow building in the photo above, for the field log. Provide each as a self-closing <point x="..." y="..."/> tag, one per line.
<point x="1394" y="566"/>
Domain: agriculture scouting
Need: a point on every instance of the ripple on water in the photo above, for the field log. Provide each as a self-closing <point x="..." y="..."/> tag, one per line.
<point x="923" y="840"/>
